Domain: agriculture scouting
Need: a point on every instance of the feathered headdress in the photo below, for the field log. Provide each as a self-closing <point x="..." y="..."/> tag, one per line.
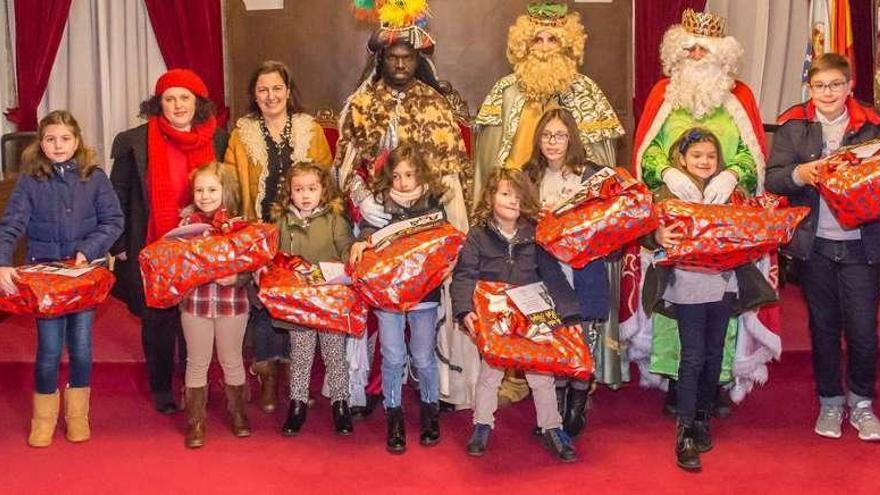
<point x="399" y="20"/>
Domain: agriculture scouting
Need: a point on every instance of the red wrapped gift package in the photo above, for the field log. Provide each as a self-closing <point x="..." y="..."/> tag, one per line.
<point x="44" y="294"/>
<point x="500" y="331"/>
<point x="722" y="237"/>
<point x="398" y="275"/>
<point x="293" y="291"/>
<point x="851" y="188"/>
<point x="612" y="210"/>
<point x="173" y="266"/>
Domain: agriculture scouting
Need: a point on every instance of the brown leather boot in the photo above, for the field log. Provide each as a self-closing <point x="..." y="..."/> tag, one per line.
<point x="267" y="373"/>
<point x="196" y="401"/>
<point x="241" y="427"/>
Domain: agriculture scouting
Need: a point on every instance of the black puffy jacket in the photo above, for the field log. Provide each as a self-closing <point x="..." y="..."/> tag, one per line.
<point x="487" y="255"/>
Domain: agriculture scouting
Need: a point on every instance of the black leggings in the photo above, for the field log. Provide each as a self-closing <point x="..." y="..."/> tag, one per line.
<point x="160" y="333"/>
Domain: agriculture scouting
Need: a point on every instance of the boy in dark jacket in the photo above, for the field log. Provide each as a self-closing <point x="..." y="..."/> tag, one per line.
<point x="839" y="267"/>
<point x="501" y="247"/>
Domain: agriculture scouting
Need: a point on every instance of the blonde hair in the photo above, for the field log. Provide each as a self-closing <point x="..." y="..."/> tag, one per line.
<point x="37" y="164"/>
<point x="228" y="178"/>
<point x="519" y="181"/>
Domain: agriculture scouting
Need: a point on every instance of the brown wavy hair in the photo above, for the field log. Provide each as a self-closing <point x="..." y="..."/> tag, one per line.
<point x="382" y="181"/>
<point x="36" y="164"/>
<point x="294" y="104"/>
<point x="529" y="205"/>
<point x="228" y="178"/>
<point x="575" y="154"/>
<point x="330" y="195"/>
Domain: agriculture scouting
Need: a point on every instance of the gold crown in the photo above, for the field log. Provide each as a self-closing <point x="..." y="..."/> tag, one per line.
<point x="703" y="23"/>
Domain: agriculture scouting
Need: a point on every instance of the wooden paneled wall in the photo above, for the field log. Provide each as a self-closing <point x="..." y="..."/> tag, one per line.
<point x="326" y="48"/>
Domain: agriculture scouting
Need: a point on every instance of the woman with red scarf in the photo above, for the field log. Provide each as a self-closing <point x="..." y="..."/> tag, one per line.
<point x="151" y="166"/>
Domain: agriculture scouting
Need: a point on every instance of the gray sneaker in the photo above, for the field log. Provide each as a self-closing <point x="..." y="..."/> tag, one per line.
<point x="863" y="419"/>
<point x="829" y="421"/>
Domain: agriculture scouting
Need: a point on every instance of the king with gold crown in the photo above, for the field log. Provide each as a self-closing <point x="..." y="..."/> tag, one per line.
<point x="700" y="90"/>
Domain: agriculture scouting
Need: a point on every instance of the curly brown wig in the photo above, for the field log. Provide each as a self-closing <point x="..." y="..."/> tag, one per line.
<point x="205" y="108"/>
<point x="383" y="180"/>
<point x="330" y="195"/>
<point x="228" y="178"/>
<point x="35" y="162"/>
<point x="529" y="205"/>
<point x="575" y="155"/>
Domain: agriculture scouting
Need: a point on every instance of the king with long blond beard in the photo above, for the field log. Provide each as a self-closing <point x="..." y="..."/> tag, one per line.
<point x="545" y="47"/>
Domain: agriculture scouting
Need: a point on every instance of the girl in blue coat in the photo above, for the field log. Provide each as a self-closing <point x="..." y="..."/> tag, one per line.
<point x="66" y="206"/>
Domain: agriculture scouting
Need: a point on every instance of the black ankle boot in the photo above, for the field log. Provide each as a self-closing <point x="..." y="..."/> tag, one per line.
<point x="396" y="442"/>
<point x="363" y="412"/>
<point x="722" y="406"/>
<point x="670" y="404"/>
<point x="561" y="405"/>
<point x="342" y="418"/>
<point x="702" y="437"/>
<point x="686" y="453"/>
<point x="296" y="417"/>
<point x="430" y="418"/>
<point x="575" y="417"/>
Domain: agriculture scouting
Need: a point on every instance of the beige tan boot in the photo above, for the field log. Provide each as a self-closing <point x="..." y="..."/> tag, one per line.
<point x="76" y="413"/>
<point x="44" y="420"/>
<point x="195" y="410"/>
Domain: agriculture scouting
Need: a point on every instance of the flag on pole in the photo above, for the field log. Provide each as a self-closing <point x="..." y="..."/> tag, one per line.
<point x="819" y="41"/>
<point x="842" y="33"/>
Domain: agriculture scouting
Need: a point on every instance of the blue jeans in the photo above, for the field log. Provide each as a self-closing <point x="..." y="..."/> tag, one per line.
<point x="76" y="330"/>
<point x="269" y="345"/>
<point x="702" y="329"/>
<point x="842" y="291"/>
<point x="422" y="340"/>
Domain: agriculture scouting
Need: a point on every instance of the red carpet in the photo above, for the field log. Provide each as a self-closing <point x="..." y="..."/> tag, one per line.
<point x="766" y="447"/>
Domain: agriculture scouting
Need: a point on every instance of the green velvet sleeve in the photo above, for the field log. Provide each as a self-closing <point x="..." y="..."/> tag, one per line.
<point x="743" y="164"/>
<point x="654" y="161"/>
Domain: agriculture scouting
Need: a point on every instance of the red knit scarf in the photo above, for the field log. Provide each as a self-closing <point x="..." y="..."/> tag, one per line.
<point x="198" y="146"/>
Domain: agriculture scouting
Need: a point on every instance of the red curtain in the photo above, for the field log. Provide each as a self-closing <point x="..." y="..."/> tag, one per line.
<point x="863" y="35"/>
<point x="190" y="36"/>
<point x="652" y="19"/>
<point x="39" y="25"/>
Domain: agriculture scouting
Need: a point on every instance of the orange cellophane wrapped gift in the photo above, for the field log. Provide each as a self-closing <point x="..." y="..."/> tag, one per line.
<point x="399" y="275"/>
<point x="613" y="210"/>
<point x="500" y="331"/>
<point x="851" y="188"/>
<point x="291" y="291"/>
<point x="722" y="237"/>
<point x="46" y="295"/>
<point x="172" y="266"/>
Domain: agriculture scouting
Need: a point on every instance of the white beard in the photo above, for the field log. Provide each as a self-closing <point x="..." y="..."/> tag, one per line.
<point x="699" y="86"/>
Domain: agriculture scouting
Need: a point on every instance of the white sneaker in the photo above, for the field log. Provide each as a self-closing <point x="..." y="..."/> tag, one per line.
<point x="863" y="419"/>
<point x="829" y="421"/>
